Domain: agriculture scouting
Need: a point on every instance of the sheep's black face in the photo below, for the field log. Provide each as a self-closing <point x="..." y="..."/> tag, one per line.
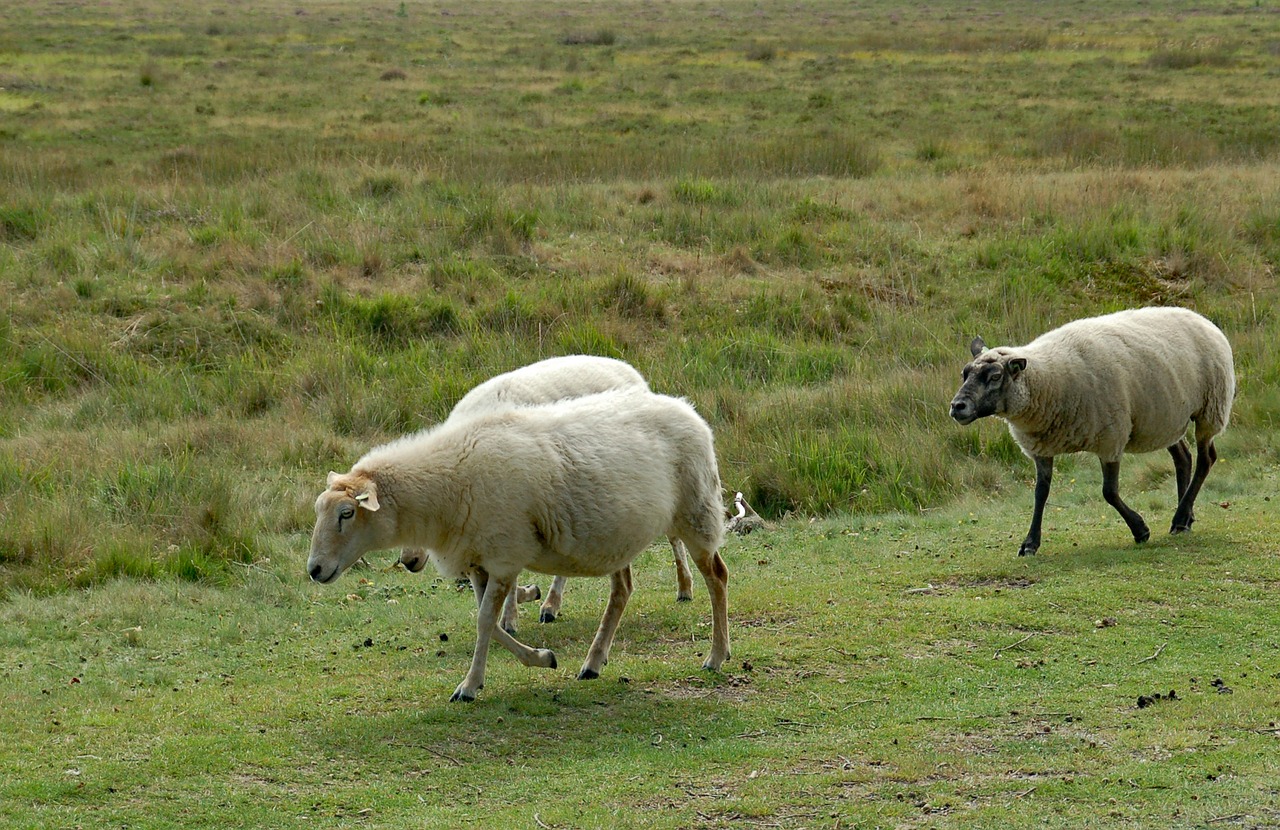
<point x="985" y="386"/>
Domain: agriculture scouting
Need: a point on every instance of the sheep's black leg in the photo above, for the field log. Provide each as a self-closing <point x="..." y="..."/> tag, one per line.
<point x="1111" y="492"/>
<point x="1206" y="455"/>
<point x="1044" y="478"/>
<point x="1181" y="465"/>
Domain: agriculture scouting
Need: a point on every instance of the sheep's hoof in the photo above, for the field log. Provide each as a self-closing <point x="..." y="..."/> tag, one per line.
<point x="547" y="616"/>
<point x="588" y="674"/>
<point x="510" y="629"/>
<point x="462" y="697"/>
<point x="1028" y="549"/>
<point x="1141" y="536"/>
<point x="684" y="597"/>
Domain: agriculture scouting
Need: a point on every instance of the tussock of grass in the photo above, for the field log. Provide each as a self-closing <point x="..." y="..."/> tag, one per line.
<point x="1188" y="56"/>
<point x="599" y="37"/>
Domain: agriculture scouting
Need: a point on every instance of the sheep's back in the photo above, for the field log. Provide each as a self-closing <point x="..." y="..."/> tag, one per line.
<point x="1130" y="381"/>
<point x="548" y="381"/>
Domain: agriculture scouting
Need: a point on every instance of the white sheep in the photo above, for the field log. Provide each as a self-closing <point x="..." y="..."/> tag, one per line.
<point x="547" y="381"/>
<point x="1125" y="382"/>
<point x="578" y="487"/>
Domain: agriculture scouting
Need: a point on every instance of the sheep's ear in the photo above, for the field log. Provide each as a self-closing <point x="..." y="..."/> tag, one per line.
<point x="1015" y="366"/>
<point x="368" y="499"/>
<point x="977" y="347"/>
<point x="331" y="479"/>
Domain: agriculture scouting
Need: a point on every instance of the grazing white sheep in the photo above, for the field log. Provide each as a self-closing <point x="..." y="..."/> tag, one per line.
<point x="1125" y="382"/>
<point x="578" y="487"/>
<point x="547" y="381"/>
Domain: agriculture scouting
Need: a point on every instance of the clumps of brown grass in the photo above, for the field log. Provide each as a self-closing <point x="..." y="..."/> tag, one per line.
<point x="739" y="261"/>
<point x="393" y="75"/>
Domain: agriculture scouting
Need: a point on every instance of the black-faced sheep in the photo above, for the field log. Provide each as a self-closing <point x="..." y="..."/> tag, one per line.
<point x="578" y="487"/>
<point x="1126" y="382"/>
<point x="547" y="381"/>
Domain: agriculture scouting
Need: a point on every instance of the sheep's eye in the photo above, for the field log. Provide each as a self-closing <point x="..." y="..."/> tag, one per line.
<point x="346" y="512"/>
<point x="996" y="375"/>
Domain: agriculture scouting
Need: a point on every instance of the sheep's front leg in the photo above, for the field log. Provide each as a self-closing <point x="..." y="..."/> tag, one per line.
<point x="1044" y="478"/>
<point x="684" y="578"/>
<point x="538" y="658"/>
<point x="511" y="610"/>
<point x="492" y="593"/>
<point x="599" y="654"/>
<point x="1111" y="492"/>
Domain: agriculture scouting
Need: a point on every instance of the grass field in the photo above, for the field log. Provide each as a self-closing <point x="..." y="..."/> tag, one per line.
<point x="926" y="677"/>
<point x="241" y="243"/>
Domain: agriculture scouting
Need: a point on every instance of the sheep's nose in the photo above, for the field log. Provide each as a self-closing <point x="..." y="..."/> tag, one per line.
<point x="315" y="573"/>
<point x="959" y="409"/>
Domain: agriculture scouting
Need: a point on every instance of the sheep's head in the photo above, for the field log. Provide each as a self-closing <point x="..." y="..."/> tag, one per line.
<point x="347" y="525"/>
<point x="413" y="559"/>
<point x="987" y="380"/>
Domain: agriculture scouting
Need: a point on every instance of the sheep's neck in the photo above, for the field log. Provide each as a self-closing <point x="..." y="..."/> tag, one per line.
<point x="424" y="504"/>
<point x="1020" y="408"/>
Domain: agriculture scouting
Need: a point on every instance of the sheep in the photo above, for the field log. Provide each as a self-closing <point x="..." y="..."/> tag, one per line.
<point x="744" y="519"/>
<point x="579" y="487"/>
<point x="549" y="380"/>
<point x="1131" y="381"/>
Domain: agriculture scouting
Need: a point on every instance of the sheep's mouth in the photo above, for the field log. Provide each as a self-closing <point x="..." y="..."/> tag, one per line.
<point x="318" y="575"/>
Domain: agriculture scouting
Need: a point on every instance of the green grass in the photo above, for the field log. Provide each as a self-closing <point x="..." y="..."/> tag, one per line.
<point x="240" y="247"/>
<point x="889" y="670"/>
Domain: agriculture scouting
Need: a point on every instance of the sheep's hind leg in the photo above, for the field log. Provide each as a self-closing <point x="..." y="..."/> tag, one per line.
<point x="1044" y="480"/>
<point x="598" y="655"/>
<point x="1181" y="453"/>
<point x="684" y="577"/>
<point x="716" y="575"/>
<point x="1206" y="455"/>
<point x="1111" y="492"/>
<point x="491" y="594"/>
<point x="551" y="605"/>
